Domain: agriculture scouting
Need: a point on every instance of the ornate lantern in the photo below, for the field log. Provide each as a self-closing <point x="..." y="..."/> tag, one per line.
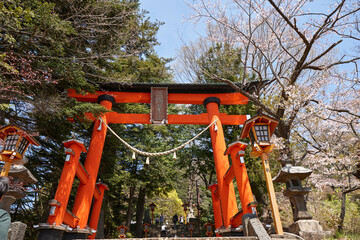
<point x="191" y="228"/>
<point x="146" y="228"/>
<point x="122" y="230"/>
<point x="185" y="206"/>
<point x="259" y="129"/>
<point x="152" y="208"/>
<point x="16" y="141"/>
<point x="209" y="227"/>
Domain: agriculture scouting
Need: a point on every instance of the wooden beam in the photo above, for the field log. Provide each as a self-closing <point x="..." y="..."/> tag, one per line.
<point x="229" y="175"/>
<point x="97" y="193"/>
<point x="236" y="220"/>
<point x="173" y="98"/>
<point x="70" y="219"/>
<point x="216" y="193"/>
<point x="81" y="173"/>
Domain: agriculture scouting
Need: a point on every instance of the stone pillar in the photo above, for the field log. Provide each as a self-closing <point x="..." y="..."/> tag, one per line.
<point x="17" y="231"/>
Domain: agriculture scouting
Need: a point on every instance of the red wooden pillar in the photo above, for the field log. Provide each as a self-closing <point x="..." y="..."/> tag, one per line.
<point x="86" y="191"/>
<point x="237" y="151"/>
<point x="216" y="205"/>
<point x="226" y="191"/>
<point x="59" y="204"/>
<point x="96" y="208"/>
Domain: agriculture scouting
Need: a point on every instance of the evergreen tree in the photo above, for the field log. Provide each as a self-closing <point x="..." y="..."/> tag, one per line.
<point x="47" y="47"/>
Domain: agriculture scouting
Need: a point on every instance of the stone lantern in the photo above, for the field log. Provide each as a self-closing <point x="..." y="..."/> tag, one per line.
<point x="292" y="177"/>
<point x="303" y="225"/>
<point x="19" y="177"/>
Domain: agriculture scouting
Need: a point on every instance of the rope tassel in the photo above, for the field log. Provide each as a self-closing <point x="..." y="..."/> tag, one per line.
<point x="147" y="162"/>
<point x="174" y="156"/>
<point x="215" y="127"/>
<point x="133" y="156"/>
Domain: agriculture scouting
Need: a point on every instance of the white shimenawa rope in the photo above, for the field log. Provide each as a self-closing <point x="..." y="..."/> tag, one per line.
<point x="149" y="154"/>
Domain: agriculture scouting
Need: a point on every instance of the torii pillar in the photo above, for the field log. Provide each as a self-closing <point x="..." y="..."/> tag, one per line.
<point x="85" y="191"/>
<point x="216" y="206"/>
<point x="227" y="194"/>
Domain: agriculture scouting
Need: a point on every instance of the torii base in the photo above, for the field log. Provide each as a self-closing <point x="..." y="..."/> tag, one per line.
<point x="51" y="232"/>
<point x="55" y="232"/>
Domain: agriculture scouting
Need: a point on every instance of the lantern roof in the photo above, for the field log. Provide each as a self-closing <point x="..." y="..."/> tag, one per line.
<point x="260" y="118"/>
<point x="23" y="174"/>
<point x="10" y="129"/>
<point x="289" y="172"/>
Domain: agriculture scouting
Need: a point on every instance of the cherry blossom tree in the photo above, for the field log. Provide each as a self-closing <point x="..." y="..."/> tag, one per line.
<point x="19" y="77"/>
<point x="296" y="55"/>
<point x="306" y="64"/>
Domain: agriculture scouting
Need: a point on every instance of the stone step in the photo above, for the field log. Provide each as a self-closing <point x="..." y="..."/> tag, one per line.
<point x="194" y="238"/>
<point x="273" y="237"/>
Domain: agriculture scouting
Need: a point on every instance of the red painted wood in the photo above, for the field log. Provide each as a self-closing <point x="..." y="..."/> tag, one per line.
<point x="173" y="98"/>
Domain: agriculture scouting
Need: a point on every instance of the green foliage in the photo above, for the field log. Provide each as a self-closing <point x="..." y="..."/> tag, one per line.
<point x="222" y="60"/>
<point x="167" y="204"/>
<point x="78" y="44"/>
<point x="327" y="210"/>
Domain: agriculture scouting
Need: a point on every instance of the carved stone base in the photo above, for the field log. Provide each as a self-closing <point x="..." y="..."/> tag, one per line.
<point x="17" y="231"/>
<point x="309" y="230"/>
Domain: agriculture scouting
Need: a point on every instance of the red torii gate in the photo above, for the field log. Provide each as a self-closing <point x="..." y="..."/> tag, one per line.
<point x="159" y="95"/>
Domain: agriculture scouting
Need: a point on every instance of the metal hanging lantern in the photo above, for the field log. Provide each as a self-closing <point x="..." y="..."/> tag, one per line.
<point x="16" y="141"/>
<point x="259" y="129"/>
<point x="185" y="206"/>
<point x="152" y="206"/>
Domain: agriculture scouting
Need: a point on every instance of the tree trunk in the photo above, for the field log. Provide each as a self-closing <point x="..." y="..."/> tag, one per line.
<point x="343" y="209"/>
<point x="129" y="212"/>
<point x="140" y="211"/>
<point x="198" y="205"/>
<point x="283" y="131"/>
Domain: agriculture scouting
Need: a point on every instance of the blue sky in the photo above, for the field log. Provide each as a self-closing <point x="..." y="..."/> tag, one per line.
<point x="176" y="30"/>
